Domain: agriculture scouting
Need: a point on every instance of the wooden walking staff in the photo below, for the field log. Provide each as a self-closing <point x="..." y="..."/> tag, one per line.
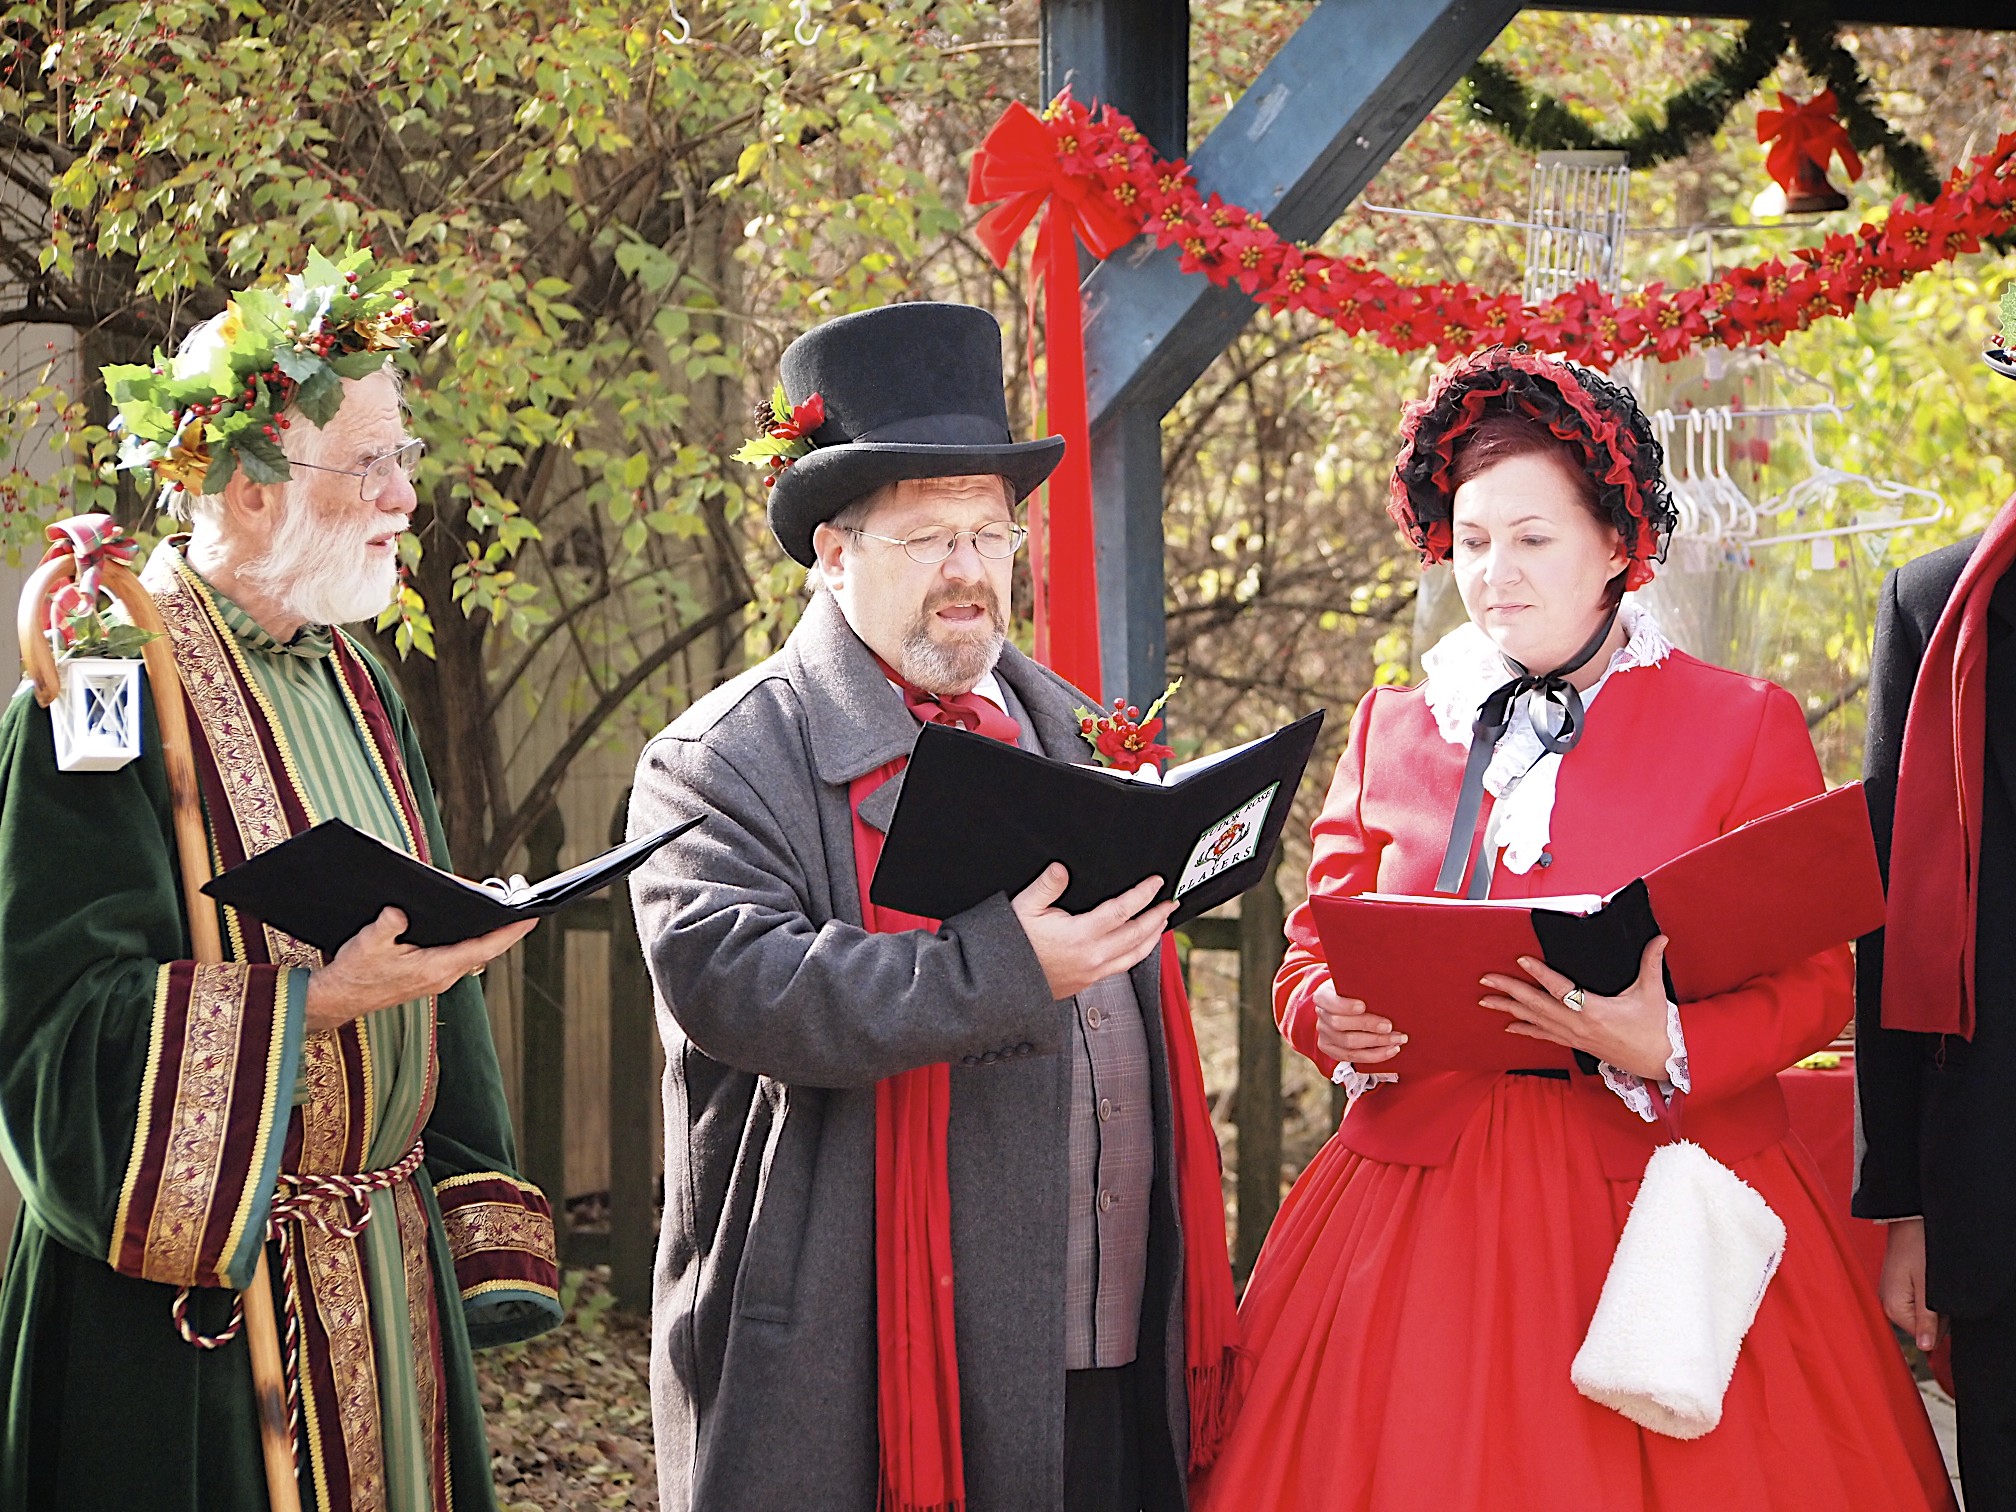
<point x="192" y="847"/>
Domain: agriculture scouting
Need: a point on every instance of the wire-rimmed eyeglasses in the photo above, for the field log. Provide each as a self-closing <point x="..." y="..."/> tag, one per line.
<point x="997" y="541"/>
<point x="375" y="476"/>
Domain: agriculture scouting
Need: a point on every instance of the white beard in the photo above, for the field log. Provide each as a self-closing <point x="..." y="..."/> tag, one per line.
<point x="320" y="569"/>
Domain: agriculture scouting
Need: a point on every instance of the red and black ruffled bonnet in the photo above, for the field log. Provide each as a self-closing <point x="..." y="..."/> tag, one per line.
<point x="1597" y="417"/>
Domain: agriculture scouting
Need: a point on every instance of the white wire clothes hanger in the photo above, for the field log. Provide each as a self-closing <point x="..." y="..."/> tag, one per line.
<point x="1825" y="481"/>
<point x="1699" y="517"/>
<point x="1714" y="509"/>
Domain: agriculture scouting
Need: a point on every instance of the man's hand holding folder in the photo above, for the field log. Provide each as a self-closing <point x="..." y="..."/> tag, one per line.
<point x="1754" y="901"/>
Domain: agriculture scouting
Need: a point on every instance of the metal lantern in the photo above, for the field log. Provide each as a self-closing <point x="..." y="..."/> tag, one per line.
<point x="96" y="715"/>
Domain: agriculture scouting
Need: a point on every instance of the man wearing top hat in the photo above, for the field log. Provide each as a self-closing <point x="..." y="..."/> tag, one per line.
<point x="921" y="1244"/>
<point x="1935" y="1009"/>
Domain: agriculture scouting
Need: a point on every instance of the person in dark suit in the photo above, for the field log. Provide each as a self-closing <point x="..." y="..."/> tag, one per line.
<point x="1935" y="1016"/>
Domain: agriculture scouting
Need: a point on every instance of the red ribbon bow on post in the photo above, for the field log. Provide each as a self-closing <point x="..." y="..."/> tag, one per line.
<point x="1805" y="133"/>
<point x="94" y="540"/>
<point x="1032" y="164"/>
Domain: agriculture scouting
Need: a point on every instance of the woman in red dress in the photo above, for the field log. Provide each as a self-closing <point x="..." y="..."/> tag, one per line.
<point x="1413" y="1317"/>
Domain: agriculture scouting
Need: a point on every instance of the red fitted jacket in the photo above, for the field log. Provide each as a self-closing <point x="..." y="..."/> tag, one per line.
<point x="1672" y="756"/>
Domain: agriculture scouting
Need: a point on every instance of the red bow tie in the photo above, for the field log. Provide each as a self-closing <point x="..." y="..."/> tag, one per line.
<point x="969" y="711"/>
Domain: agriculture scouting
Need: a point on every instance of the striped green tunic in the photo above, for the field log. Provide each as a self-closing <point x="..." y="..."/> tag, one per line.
<point x="340" y="781"/>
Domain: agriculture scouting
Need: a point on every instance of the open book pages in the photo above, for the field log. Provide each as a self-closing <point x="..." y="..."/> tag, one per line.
<point x="1177" y="775"/>
<point x="1189" y="769"/>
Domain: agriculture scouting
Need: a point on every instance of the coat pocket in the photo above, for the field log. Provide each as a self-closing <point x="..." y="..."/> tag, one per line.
<point x="767" y="1285"/>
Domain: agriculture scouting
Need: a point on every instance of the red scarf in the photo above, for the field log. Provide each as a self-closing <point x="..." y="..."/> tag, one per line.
<point x="923" y="1467"/>
<point x="1935" y="845"/>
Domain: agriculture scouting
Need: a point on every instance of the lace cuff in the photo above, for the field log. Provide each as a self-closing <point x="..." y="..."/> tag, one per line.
<point x="1357" y="1083"/>
<point x="1632" y="1090"/>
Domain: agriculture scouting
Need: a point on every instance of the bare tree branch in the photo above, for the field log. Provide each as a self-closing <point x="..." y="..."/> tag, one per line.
<point x="539" y="797"/>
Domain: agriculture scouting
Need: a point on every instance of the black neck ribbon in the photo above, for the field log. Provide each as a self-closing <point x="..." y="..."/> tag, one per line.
<point x="1553" y="707"/>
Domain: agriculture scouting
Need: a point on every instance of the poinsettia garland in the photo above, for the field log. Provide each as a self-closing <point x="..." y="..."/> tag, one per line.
<point x="1102" y="160"/>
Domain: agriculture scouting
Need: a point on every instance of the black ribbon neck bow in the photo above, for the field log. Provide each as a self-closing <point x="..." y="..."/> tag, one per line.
<point x="1553" y="708"/>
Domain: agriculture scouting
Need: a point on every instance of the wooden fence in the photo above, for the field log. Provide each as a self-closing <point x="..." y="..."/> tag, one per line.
<point x="628" y="1244"/>
<point x="631" y="1239"/>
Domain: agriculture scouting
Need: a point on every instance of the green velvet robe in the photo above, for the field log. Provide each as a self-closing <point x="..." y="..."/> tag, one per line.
<point x="150" y="1109"/>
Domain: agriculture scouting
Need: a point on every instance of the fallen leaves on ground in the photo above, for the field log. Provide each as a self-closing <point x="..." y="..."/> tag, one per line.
<point x="569" y="1413"/>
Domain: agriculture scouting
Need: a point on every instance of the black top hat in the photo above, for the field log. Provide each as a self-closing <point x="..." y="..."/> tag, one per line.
<point x="911" y="391"/>
<point x="2002" y="359"/>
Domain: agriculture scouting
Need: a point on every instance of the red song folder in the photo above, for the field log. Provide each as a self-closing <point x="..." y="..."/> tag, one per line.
<point x="1759" y="899"/>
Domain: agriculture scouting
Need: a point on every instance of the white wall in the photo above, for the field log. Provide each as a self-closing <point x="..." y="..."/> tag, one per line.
<point x="25" y="352"/>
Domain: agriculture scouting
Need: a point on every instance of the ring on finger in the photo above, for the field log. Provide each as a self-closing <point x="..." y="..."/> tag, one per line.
<point x="1572" y="999"/>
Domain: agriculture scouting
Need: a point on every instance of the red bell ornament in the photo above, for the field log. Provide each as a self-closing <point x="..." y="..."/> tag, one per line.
<point x="1805" y="138"/>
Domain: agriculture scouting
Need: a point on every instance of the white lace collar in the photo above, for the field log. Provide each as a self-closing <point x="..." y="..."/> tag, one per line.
<point x="1463" y="669"/>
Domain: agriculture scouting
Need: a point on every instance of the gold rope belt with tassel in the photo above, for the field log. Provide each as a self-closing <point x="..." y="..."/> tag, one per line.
<point x="299" y="1200"/>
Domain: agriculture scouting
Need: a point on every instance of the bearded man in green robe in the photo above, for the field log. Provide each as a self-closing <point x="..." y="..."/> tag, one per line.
<point x="167" y="1120"/>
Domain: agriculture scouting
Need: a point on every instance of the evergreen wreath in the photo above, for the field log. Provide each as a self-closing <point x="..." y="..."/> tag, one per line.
<point x="195" y="418"/>
<point x="1539" y="122"/>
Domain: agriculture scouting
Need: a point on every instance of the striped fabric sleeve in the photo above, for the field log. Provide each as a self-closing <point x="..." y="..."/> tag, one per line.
<point x="500" y="1232"/>
<point x="223" y="1053"/>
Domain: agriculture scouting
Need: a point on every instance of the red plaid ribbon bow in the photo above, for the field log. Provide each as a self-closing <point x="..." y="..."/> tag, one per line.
<point x="94" y="540"/>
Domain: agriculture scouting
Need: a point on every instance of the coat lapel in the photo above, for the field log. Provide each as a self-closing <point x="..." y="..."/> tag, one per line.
<point x="854" y="721"/>
<point x="1048" y="701"/>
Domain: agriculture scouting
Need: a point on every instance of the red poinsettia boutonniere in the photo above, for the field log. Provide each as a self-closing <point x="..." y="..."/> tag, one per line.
<point x="787" y="432"/>
<point x="1125" y="739"/>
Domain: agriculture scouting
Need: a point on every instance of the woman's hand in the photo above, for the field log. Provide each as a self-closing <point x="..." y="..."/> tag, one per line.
<point x="1346" y="1032"/>
<point x="1627" y="1031"/>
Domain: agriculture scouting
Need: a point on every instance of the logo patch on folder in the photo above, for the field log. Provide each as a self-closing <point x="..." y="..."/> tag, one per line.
<point x="1224" y="845"/>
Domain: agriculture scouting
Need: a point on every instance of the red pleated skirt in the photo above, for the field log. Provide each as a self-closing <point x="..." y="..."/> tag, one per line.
<point x="1410" y="1331"/>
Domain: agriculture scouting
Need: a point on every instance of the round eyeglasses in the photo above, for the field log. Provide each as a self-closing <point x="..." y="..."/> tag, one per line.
<point x="997" y="542"/>
<point x="375" y="476"/>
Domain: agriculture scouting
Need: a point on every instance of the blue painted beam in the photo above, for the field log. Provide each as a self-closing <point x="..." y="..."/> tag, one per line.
<point x="1132" y="54"/>
<point x="1334" y="103"/>
<point x="1128" y="555"/>
<point x="1963" y="15"/>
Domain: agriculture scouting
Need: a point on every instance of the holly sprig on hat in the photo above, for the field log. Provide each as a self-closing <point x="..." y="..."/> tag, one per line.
<point x="787" y="432"/>
<point x="195" y="419"/>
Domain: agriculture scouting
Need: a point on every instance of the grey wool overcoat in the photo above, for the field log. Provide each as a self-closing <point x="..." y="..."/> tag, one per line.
<point x="779" y="1015"/>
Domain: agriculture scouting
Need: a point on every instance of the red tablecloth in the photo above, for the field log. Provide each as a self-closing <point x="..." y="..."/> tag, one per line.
<point x="1823" y="1116"/>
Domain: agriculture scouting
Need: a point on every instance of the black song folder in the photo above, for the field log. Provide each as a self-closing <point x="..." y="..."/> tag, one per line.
<point x="328" y="882"/>
<point x="980" y="816"/>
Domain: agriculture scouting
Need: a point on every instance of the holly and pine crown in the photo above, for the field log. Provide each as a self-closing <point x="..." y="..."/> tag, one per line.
<point x="194" y="418"/>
